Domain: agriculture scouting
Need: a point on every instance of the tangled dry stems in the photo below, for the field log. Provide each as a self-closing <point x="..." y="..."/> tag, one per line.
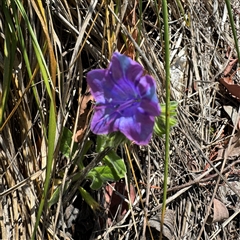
<point x="84" y="35"/>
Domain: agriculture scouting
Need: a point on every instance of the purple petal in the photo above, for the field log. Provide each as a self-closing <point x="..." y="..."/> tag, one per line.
<point x="147" y="88"/>
<point x="147" y="91"/>
<point x="125" y="68"/>
<point x="117" y="82"/>
<point x="125" y="72"/>
<point x="103" y="88"/>
<point x="96" y="79"/>
<point x="105" y="120"/>
<point x="149" y="107"/>
<point x="126" y="100"/>
<point x="137" y="128"/>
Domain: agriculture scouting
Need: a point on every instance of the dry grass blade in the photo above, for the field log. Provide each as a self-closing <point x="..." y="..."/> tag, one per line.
<point x="77" y="36"/>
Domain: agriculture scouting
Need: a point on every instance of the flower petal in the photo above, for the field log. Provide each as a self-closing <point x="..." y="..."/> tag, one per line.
<point x="147" y="88"/>
<point x="137" y="128"/>
<point x="126" y="101"/>
<point x="105" y="120"/>
<point x="149" y="107"/>
<point x="115" y="84"/>
<point x="96" y="79"/>
<point x="125" y="72"/>
<point x="149" y="101"/>
<point x="103" y="88"/>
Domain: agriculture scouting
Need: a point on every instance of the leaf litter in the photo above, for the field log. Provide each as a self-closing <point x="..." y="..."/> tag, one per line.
<point x="206" y="80"/>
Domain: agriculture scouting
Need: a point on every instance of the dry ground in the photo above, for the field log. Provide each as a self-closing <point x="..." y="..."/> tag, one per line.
<point x="203" y="195"/>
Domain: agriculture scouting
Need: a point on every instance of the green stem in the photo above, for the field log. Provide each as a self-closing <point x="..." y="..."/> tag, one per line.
<point x="233" y="27"/>
<point x="167" y="69"/>
<point x="9" y="55"/>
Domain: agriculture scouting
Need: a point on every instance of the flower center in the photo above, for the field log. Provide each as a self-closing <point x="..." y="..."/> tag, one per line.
<point x="125" y="105"/>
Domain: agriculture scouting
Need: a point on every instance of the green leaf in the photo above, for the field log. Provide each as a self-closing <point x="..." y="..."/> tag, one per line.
<point x="110" y="140"/>
<point x="79" y="159"/>
<point x="55" y="196"/>
<point x="160" y="121"/>
<point x="65" y="145"/>
<point x="113" y="170"/>
<point x="116" y="164"/>
<point x="89" y="200"/>
<point x="10" y="41"/>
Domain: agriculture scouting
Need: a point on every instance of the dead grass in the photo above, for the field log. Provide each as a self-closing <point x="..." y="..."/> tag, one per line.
<point x="204" y="158"/>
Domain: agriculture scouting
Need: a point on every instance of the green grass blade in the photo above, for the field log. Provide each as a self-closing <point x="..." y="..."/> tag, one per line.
<point x="52" y="114"/>
<point x="38" y="51"/>
<point x="9" y="55"/>
<point x="31" y="75"/>
<point x="167" y="69"/>
<point x="233" y="27"/>
<point x="50" y="158"/>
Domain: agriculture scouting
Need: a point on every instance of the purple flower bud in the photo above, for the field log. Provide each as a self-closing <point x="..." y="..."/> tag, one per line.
<point x="126" y="100"/>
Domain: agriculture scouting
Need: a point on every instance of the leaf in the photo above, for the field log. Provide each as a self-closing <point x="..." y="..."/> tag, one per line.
<point x="116" y="164"/>
<point x="160" y="121"/>
<point x="111" y="140"/>
<point x="234" y="89"/>
<point x="83" y="116"/>
<point x="114" y="197"/>
<point x="55" y="196"/>
<point x="233" y="150"/>
<point x="233" y="114"/>
<point x="229" y="67"/>
<point x="113" y="170"/>
<point x="168" y="226"/>
<point x="79" y="160"/>
<point x="65" y="145"/>
<point x="220" y="212"/>
<point x="130" y="20"/>
<point x="96" y="207"/>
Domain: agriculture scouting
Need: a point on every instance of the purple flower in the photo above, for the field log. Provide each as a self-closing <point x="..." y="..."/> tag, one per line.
<point x="126" y="100"/>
